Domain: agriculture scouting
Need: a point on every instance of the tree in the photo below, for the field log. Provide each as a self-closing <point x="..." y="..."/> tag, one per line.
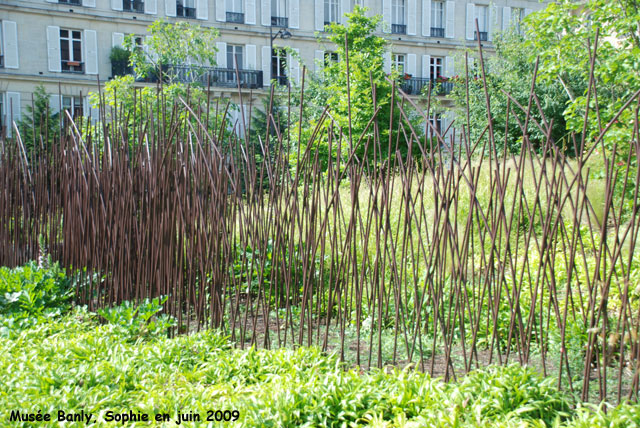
<point x="509" y="72"/>
<point x="39" y="124"/>
<point x="174" y="44"/>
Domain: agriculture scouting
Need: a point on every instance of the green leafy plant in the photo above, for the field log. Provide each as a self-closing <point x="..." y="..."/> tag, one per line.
<point x="135" y="321"/>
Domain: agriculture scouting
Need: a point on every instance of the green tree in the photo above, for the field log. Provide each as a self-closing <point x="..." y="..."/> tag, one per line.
<point x="39" y="124"/>
<point x="177" y="44"/>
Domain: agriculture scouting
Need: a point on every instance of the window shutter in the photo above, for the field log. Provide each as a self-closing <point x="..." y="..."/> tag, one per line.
<point x="471" y="22"/>
<point x="294" y="67"/>
<point x="265" y="7"/>
<point x="426" y="18"/>
<point x="250" y="12"/>
<point x="221" y="11"/>
<point x="319" y="15"/>
<point x="266" y="65"/>
<point x="450" y="16"/>
<point x="527" y="12"/>
<point x="117" y="4"/>
<point x="89" y="111"/>
<point x="411" y="17"/>
<point x="319" y="60"/>
<point x="170" y="7"/>
<point x="294" y="13"/>
<point x="411" y="64"/>
<point x="386" y="16"/>
<point x="90" y="52"/>
<point x="89" y="3"/>
<point x="346" y="8"/>
<point x="54" y="104"/>
<point x="117" y="40"/>
<point x="426" y="64"/>
<point x="493" y="21"/>
<point x="387" y="62"/>
<point x="251" y="57"/>
<point x="10" y="44"/>
<point x="448" y="66"/>
<point x="151" y="7"/>
<point x="53" y="48"/>
<point x="13" y="110"/>
<point x="202" y="9"/>
<point x="221" y="55"/>
<point x="506" y="17"/>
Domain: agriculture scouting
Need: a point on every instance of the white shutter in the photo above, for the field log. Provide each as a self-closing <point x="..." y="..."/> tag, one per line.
<point x="527" y="12"/>
<point x="13" y="110"/>
<point x="266" y="65"/>
<point x="448" y="66"/>
<point x="294" y="13"/>
<point x="221" y="11"/>
<point x="251" y="57"/>
<point x="426" y="18"/>
<point x="346" y="8"/>
<point x="426" y="64"/>
<point x="265" y="7"/>
<point x="319" y="15"/>
<point x="151" y="7"/>
<point x="53" y="48"/>
<point x="90" y="52"/>
<point x="471" y="22"/>
<point x="10" y="44"/>
<point x="387" y="62"/>
<point x="506" y="17"/>
<point x="221" y="55"/>
<point x="386" y="16"/>
<point x="117" y="39"/>
<point x="116" y="4"/>
<point x="54" y="104"/>
<point x="294" y="67"/>
<point x="250" y="12"/>
<point x="411" y="64"/>
<point x="450" y="16"/>
<point x="411" y="17"/>
<point x="170" y="7"/>
<point x="493" y="21"/>
<point x="202" y="9"/>
<point x="319" y="61"/>
<point x="89" y="3"/>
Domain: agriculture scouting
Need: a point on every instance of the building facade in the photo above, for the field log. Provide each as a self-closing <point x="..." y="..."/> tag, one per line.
<point x="65" y="44"/>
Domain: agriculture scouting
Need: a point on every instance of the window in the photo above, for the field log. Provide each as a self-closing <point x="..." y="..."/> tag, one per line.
<point x="279" y="66"/>
<point x="437" y="19"/>
<point x="399" y="63"/>
<point x="435" y="120"/>
<point x="482" y="15"/>
<point x="133" y="6"/>
<point x="435" y="68"/>
<point x="234" y="54"/>
<point x="279" y="13"/>
<point x="186" y="8"/>
<point x="71" y="51"/>
<point x="1" y="47"/>
<point x="2" y="130"/>
<point x="330" y="58"/>
<point x="234" y="11"/>
<point x="77" y="2"/>
<point x="73" y="105"/>
<point x="331" y="11"/>
<point x="517" y="15"/>
<point x="397" y="17"/>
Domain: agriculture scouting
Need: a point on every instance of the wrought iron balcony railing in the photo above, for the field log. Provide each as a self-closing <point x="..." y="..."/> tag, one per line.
<point x="75" y="2"/>
<point x="279" y="21"/>
<point x="72" y="66"/>
<point x="398" y="29"/>
<point x="133" y="6"/>
<point x="219" y="77"/>
<point x="416" y="85"/>
<point x="185" y="12"/>
<point x="235" y="17"/>
<point x="483" y="36"/>
<point x="437" y="32"/>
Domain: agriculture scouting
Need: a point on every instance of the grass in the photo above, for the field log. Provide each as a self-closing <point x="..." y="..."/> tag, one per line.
<point x="74" y="363"/>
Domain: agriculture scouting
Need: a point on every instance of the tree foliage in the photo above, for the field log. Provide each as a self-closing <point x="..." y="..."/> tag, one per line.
<point x="39" y="125"/>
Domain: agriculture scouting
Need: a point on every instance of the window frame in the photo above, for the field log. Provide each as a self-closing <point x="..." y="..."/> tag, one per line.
<point x="279" y="65"/>
<point x="184" y="11"/>
<point x="436" y="68"/>
<point x="132" y="4"/>
<point x="399" y="59"/>
<point x="73" y="107"/>
<point x="435" y="12"/>
<point x="331" y="11"/>
<point x="77" y="64"/>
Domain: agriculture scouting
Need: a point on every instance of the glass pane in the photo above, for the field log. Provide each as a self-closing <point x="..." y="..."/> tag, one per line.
<point x="64" y="49"/>
<point x="77" y="50"/>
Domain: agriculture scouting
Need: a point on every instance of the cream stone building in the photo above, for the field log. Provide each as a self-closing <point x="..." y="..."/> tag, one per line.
<point x="65" y="44"/>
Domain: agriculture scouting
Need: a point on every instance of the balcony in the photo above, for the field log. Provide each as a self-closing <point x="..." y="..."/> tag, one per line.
<point x="279" y="21"/>
<point x="483" y="36"/>
<point x="72" y="66"/>
<point x="133" y="6"/>
<point x="185" y="12"/>
<point x="416" y="85"/>
<point x="398" y="29"/>
<point x="219" y="77"/>
<point x="120" y="68"/>
<point x="235" y="17"/>
<point x="437" y="32"/>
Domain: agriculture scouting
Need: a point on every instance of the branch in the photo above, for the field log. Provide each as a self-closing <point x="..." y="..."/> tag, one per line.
<point x="568" y="90"/>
